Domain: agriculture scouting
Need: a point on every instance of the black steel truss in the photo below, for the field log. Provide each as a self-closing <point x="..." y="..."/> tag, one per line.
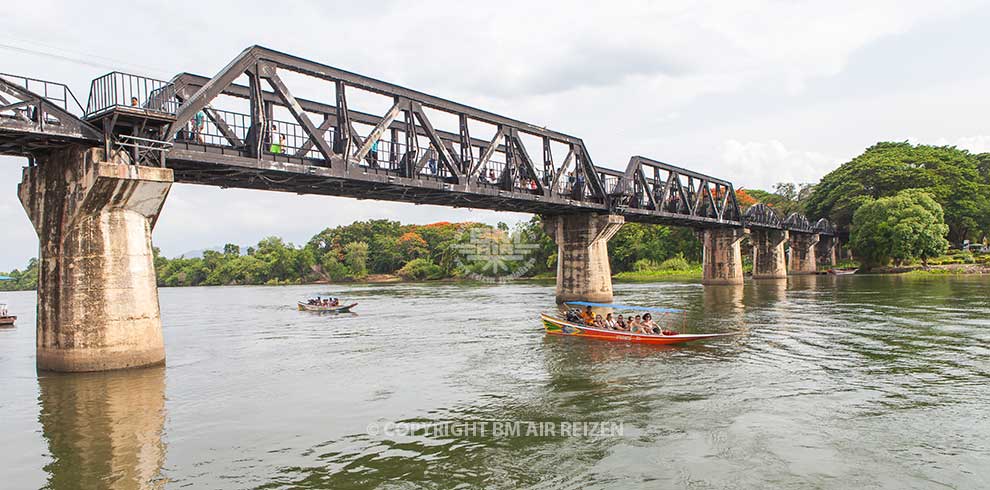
<point x="403" y="156"/>
<point x="762" y="216"/>
<point x="31" y="122"/>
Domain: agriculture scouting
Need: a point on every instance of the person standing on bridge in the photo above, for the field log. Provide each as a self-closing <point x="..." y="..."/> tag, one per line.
<point x="374" y="153"/>
<point x="199" y="120"/>
<point x="278" y="141"/>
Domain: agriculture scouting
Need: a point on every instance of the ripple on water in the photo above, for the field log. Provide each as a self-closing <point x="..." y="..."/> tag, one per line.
<point x="848" y="383"/>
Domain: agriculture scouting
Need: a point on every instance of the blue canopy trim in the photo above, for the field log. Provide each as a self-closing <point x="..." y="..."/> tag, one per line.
<point x="6" y="278"/>
<point x="624" y="307"/>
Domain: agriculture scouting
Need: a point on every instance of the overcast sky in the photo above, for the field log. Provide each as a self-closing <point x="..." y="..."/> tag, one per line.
<point x="756" y="92"/>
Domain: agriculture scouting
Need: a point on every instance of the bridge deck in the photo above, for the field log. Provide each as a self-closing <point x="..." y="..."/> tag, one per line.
<point x="422" y="149"/>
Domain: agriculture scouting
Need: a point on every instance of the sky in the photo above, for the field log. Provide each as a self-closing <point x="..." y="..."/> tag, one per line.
<point x="755" y="92"/>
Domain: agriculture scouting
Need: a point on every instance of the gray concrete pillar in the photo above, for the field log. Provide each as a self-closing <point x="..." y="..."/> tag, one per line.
<point x="583" y="270"/>
<point x="722" y="258"/>
<point x="803" y="253"/>
<point x="97" y="293"/>
<point x="826" y="250"/>
<point x="769" y="256"/>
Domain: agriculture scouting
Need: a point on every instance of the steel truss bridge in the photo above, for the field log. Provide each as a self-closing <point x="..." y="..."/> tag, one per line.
<point x="246" y="127"/>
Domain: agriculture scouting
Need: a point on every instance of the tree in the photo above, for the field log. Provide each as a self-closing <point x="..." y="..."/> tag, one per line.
<point x="356" y="257"/>
<point x="906" y="226"/>
<point x="953" y="177"/>
<point x="785" y="199"/>
<point x="744" y="199"/>
<point x="332" y="268"/>
<point x="412" y="246"/>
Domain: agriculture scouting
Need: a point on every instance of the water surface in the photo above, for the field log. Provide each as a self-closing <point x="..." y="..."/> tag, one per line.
<point x="838" y="382"/>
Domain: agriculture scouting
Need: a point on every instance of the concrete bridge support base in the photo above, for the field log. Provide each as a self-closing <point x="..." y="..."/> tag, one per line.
<point x="97" y="294"/>
<point x="722" y="257"/>
<point x="583" y="270"/>
<point x="827" y="250"/>
<point x="769" y="256"/>
<point x="803" y="253"/>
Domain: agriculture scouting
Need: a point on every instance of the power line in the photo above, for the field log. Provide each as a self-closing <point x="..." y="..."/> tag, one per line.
<point x="81" y="58"/>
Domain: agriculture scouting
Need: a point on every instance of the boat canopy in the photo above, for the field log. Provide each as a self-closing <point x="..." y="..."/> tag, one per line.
<point x="624" y="307"/>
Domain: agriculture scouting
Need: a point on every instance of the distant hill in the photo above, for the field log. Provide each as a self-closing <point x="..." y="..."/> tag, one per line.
<point x="198" y="254"/>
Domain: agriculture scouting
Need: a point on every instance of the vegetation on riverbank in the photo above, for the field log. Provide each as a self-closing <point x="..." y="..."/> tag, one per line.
<point x="899" y="203"/>
<point x="385" y="250"/>
<point x="647" y="269"/>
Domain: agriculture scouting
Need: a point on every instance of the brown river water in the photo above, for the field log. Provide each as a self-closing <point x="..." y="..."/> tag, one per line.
<point x="837" y="382"/>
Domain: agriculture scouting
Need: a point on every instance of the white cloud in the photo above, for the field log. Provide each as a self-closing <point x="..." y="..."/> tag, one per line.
<point x="975" y="144"/>
<point x="760" y="164"/>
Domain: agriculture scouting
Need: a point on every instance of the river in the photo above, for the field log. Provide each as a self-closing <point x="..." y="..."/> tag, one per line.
<point x="837" y="382"/>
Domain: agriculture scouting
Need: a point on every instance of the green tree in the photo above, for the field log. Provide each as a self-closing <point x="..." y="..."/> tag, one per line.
<point x="953" y="177"/>
<point x="906" y="226"/>
<point x="333" y="269"/>
<point x="356" y="257"/>
<point x="420" y="269"/>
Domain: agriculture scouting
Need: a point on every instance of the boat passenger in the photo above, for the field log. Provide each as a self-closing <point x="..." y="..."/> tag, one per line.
<point x="633" y="323"/>
<point x="610" y="322"/>
<point x="650" y="325"/>
<point x="620" y="323"/>
<point x="335" y="302"/>
<point x="587" y="316"/>
<point x="599" y="321"/>
<point x="572" y="315"/>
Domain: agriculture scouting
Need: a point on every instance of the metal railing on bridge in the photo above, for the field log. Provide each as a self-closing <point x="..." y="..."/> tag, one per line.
<point x="123" y="90"/>
<point x="57" y="93"/>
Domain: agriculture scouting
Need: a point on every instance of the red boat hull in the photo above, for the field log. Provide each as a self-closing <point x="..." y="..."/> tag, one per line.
<point x="556" y="326"/>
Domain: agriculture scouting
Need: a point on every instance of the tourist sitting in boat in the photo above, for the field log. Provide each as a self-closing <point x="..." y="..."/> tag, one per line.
<point x="599" y="322"/>
<point x="634" y="324"/>
<point x="651" y="326"/>
<point x="588" y="316"/>
<point x="572" y="315"/>
<point x="609" y="322"/>
<point x="620" y="323"/>
<point x="335" y="302"/>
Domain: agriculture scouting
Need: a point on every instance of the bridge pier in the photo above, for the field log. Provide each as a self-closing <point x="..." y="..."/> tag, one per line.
<point x="769" y="256"/>
<point x="722" y="257"/>
<point x="97" y="293"/>
<point x="826" y="250"/>
<point x="583" y="270"/>
<point x="803" y="253"/>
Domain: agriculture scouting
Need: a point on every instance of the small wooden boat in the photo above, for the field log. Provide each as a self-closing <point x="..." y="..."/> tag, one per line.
<point x="557" y="326"/>
<point x="326" y="309"/>
<point x="842" y="272"/>
<point x="6" y="319"/>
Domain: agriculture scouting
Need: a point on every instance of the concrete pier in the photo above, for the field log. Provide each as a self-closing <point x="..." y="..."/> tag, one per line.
<point x="97" y="294"/>
<point x="769" y="256"/>
<point x="826" y="251"/>
<point x="722" y="258"/>
<point x="583" y="270"/>
<point x="803" y="253"/>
